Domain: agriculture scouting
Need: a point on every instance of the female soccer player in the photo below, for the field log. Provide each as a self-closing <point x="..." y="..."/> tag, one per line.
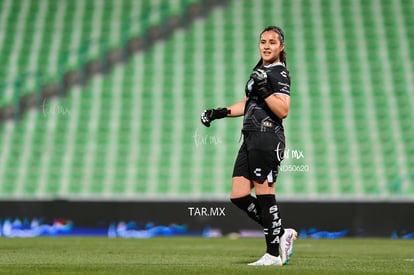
<point x="265" y="105"/>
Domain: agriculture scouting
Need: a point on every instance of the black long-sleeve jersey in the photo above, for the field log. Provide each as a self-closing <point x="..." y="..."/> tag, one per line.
<point x="257" y="115"/>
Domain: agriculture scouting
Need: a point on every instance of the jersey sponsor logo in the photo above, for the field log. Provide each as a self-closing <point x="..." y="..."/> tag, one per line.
<point x="285" y="87"/>
<point x="283" y="84"/>
<point x="267" y="124"/>
<point x="285" y="90"/>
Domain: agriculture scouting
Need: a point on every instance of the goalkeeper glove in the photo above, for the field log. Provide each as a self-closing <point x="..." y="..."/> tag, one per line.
<point x="211" y="114"/>
<point x="260" y="81"/>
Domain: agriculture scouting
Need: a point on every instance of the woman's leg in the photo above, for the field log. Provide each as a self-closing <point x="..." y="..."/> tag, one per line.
<point x="241" y="197"/>
<point x="270" y="216"/>
<point x="279" y="241"/>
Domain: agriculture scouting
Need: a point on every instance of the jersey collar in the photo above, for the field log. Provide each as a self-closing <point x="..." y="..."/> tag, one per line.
<point x="275" y="64"/>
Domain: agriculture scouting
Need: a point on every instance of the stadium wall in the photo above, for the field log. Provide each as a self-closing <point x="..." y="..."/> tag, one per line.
<point x="361" y="219"/>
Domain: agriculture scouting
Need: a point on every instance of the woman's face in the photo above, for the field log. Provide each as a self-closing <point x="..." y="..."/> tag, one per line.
<point x="270" y="47"/>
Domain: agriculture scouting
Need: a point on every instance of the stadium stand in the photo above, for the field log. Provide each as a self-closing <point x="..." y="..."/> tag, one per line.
<point x="51" y="36"/>
<point x="134" y="133"/>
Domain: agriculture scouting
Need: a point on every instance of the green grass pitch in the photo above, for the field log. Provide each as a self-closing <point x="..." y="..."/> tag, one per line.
<point x="196" y="255"/>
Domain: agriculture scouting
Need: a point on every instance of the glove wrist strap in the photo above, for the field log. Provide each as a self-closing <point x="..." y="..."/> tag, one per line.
<point x="221" y="112"/>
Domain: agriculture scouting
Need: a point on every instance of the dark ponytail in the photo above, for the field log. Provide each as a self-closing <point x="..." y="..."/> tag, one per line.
<point x="283" y="57"/>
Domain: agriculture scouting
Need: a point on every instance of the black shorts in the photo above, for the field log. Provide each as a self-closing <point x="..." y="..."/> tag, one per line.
<point x="259" y="156"/>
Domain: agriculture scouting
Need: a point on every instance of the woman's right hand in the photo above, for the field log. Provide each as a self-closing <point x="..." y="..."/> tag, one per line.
<point x="211" y="114"/>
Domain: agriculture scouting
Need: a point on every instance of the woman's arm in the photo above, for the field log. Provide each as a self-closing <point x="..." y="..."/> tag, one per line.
<point x="237" y="109"/>
<point x="279" y="104"/>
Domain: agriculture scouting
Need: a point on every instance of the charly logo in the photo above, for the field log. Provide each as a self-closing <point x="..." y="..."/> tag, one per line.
<point x="258" y="172"/>
<point x="57" y="109"/>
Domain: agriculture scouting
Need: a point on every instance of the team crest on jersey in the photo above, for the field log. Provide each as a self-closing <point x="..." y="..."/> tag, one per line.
<point x="267" y="124"/>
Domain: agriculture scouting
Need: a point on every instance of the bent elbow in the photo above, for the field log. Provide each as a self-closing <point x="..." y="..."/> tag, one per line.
<point x="283" y="114"/>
